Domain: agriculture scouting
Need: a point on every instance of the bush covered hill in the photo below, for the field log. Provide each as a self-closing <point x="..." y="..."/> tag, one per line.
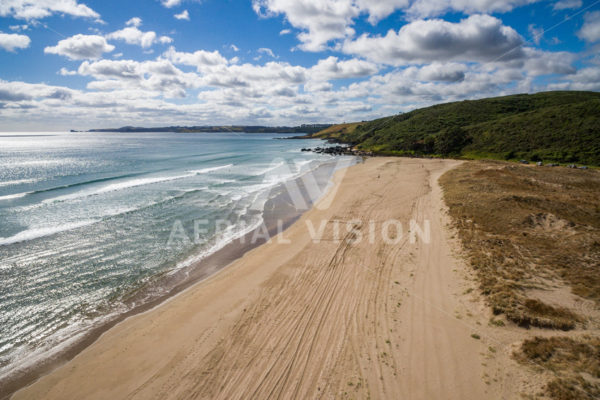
<point x="550" y="126"/>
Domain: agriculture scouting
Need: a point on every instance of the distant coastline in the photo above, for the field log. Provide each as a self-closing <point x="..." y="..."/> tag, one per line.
<point x="304" y="128"/>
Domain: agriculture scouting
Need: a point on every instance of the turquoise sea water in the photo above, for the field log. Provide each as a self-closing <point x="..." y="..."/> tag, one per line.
<point x="85" y="220"/>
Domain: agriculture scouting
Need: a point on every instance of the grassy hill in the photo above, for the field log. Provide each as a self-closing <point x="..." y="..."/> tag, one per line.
<point x="549" y="126"/>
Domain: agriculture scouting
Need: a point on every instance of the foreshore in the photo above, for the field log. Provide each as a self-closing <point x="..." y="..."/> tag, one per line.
<point x="278" y="214"/>
<point x="313" y="313"/>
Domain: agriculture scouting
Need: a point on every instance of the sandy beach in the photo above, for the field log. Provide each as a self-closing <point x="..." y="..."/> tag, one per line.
<point x="303" y="318"/>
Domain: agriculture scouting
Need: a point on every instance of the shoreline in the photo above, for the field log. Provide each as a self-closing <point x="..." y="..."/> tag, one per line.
<point x="276" y="209"/>
<point x="307" y="319"/>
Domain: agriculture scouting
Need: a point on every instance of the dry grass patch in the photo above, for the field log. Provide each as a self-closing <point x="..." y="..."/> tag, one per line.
<point x="575" y="364"/>
<point x="524" y="227"/>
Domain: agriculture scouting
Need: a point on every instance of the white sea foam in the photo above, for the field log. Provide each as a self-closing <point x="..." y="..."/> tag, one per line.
<point x="17" y="182"/>
<point x="131" y="184"/>
<point x="300" y="164"/>
<point x="211" y="169"/>
<point x="14" y="196"/>
<point x="271" y="168"/>
<point x="34" y="233"/>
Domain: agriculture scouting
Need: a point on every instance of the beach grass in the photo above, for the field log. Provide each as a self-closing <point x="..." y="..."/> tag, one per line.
<point x="573" y="362"/>
<point x="529" y="230"/>
<point x="532" y="236"/>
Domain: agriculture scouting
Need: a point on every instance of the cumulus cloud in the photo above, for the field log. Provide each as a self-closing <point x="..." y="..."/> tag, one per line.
<point x="476" y="38"/>
<point x="590" y="31"/>
<point x="36" y="9"/>
<point x="259" y="78"/>
<point x="323" y="21"/>
<point x="583" y="79"/>
<point x="19" y="91"/>
<point x="431" y="8"/>
<point x="198" y="59"/>
<point x="160" y="76"/>
<point x="537" y="62"/>
<point x="183" y="15"/>
<point x="378" y="9"/>
<point x="442" y="72"/>
<point x="65" y="72"/>
<point x="12" y="41"/>
<point x="567" y="4"/>
<point x="135" y="21"/>
<point x="333" y="68"/>
<point x="131" y="34"/>
<point x="81" y="47"/>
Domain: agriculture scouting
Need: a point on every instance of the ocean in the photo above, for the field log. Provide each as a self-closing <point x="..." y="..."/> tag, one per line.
<point x="93" y="224"/>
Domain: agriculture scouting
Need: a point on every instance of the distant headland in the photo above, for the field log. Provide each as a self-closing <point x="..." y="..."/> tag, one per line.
<point x="305" y="128"/>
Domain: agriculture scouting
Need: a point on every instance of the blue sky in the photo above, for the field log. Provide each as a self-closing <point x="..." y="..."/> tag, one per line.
<point x="84" y="64"/>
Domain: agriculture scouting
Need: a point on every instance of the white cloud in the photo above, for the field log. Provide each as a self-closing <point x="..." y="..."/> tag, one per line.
<point x="590" y="31"/>
<point x="583" y="79"/>
<point x="198" y="59"/>
<point x="159" y="76"/>
<point x="20" y="91"/>
<point x="36" y="9"/>
<point x="18" y="28"/>
<point x="65" y="72"/>
<point x="567" y="4"/>
<point x="332" y="68"/>
<point x="442" y="72"/>
<point x="379" y="9"/>
<point x="430" y="8"/>
<point x="81" y="47"/>
<point x="133" y="35"/>
<point x="325" y="20"/>
<point x="537" y="62"/>
<point x="12" y="41"/>
<point x="318" y="86"/>
<point x="135" y="21"/>
<point x="267" y="51"/>
<point x="285" y="32"/>
<point x="234" y="47"/>
<point x="536" y="33"/>
<point x="170" y="3"/>
<point x="476" y="38"/>
<point x="183" y="15"/>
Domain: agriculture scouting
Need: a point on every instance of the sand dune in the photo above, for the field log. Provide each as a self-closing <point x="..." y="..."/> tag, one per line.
<point x="333" y="319"/>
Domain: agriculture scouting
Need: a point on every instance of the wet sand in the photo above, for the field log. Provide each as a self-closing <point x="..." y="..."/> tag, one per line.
<point x="299" y="318"/>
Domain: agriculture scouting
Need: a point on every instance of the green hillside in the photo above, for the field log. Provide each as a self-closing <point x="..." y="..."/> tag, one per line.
<point x="550" y="126"/>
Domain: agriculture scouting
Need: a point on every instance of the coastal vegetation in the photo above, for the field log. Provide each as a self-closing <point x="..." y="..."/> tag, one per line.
<point x="574" y="365"/>
<point x="532" y="238"/>
<point x="562" y="127"/>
